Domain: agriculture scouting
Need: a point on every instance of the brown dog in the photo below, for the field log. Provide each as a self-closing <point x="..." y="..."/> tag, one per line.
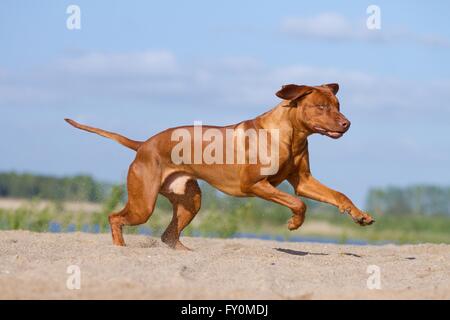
<point x="304" y="110"/>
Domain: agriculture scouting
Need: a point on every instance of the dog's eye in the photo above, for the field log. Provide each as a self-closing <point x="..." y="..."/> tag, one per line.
<point x="322" y="107"/>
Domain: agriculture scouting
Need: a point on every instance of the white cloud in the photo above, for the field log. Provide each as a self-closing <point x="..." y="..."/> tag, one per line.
<point x="334" y="26"/>
<point x="140" y="63"/>
<point x="325" y="25"/>
<point x="242" y="82"/>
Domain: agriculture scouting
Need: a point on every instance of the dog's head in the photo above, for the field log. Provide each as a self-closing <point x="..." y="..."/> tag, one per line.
<point x="317" y="108"/>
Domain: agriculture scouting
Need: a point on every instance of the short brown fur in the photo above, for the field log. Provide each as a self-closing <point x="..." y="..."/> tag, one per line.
<point x="304" y="110"/>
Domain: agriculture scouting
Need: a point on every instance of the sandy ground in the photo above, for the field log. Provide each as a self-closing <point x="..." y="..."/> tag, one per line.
<point x="34" y="265"/>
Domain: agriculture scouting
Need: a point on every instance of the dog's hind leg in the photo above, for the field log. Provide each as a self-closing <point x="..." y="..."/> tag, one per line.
<point x="143" y="186"/>
<point x="186" y="203"/>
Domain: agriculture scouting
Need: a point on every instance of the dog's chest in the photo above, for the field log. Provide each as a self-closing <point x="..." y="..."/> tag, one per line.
<point x="289" y="162"/>
<point x="287" y="166"/>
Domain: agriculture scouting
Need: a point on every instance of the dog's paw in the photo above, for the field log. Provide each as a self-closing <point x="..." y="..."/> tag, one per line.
<point x="294" y="223"/>
<point x="363" y="219"/>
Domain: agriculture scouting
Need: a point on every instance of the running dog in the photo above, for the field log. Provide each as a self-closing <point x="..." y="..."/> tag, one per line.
<point x="303" y="111"/>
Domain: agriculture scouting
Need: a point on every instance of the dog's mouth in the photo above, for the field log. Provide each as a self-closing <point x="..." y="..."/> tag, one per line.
<point x="329" y="133"/>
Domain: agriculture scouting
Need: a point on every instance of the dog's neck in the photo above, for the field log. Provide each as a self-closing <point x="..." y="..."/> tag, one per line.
<point x="293" y="134"/>
<point x="283" y="117"/>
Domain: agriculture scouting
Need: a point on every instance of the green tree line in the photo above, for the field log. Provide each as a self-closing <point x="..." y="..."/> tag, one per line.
<point x="417" y="200"/>
<point x="76" y="188"/>
<point x="412" y="200"/>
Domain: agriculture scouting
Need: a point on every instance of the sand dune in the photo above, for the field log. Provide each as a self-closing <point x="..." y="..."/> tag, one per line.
<point x="34" y="265"/>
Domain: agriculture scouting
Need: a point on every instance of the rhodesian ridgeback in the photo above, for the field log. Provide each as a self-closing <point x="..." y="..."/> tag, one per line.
<point x="163" y="167"/>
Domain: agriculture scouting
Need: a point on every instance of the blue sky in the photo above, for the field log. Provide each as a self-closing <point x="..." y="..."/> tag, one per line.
<point x="137" y="67"/>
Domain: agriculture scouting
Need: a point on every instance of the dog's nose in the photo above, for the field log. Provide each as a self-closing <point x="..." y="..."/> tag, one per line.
<point x="345" y="124"/>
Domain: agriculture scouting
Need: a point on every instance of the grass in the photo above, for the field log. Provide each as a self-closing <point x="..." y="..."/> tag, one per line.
<point x="398" y="228"/>
<point x="245" y="218"/>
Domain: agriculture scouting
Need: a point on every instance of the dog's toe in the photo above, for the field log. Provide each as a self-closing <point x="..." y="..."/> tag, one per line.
<point x="364" y="220"/>
<point x="294" y="223"/>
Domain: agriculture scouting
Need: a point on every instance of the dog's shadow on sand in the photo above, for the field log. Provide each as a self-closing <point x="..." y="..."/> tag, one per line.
<point x="300" y="253"/>
<point x="306" y="253"/>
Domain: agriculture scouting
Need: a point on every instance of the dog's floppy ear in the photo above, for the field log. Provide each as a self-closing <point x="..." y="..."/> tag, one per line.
<point x="334" y="87"/>
<point x="293" y="91"/>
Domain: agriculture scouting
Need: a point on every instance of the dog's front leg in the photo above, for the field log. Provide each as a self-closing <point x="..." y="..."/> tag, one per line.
<point x="265" y="190"/>
<point x="307" y="186"/>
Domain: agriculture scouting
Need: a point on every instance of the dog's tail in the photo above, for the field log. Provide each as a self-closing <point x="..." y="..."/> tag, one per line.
<point x="132" y="144"/>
